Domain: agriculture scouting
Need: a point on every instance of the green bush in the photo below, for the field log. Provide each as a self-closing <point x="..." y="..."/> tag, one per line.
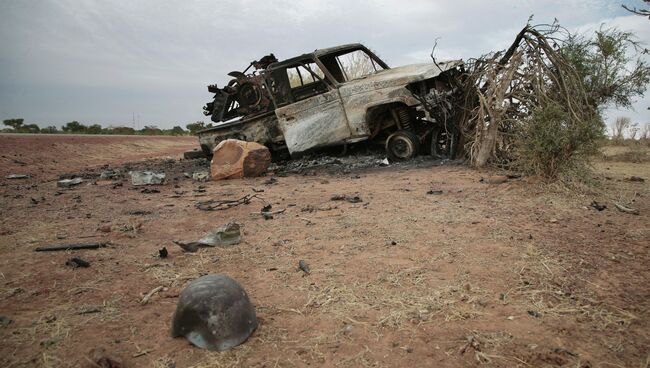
<point x="552" y="142"/>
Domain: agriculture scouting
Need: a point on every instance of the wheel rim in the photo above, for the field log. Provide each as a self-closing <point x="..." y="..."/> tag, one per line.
<point x="401" y="147"/>
<point x="441" y="144"/>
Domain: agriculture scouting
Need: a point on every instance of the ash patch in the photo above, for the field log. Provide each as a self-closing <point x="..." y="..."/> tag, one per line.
<point x="342" y="165"/>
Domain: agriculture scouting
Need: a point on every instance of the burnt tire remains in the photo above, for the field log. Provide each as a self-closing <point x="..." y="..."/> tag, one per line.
<point x="402" y="145"/>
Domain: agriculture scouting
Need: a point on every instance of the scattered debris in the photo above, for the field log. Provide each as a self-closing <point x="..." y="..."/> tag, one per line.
<point x="302" y="265"/>
<point x="599" y="207"/>
<point x="266" y="212"/>
<point x="434" y="192"/>
<point x="17" y="176"/>
<point x="89" y="309"/>
<point x="5" y="321"/>
<point x="68" y="183"/>
<point x="201" y="176"/>
<point x="110" y="174"/>
<point x="106" y="228"/>
<point x="77" y="262"/>
<point x="50" y="341"/>
<point x="146" y="178"/>
<point x="495" y="179"/>
<point x="193" y="155"/>
<point x="100" y="358"/>
<point x="37" y="201"/>
<point x="635" y="178"/>
<point x="163" y="253"/>
<point x="310" y="208"/>
<point x="214" y="295"/>
<point x="307" y="221"/>
<point x="270" y="181"/>
<point x="224" y="204"/>
<point x="54" y="248"/>
<point x="132" y="227"/>
<point x="625" y="209"/>
<point x="146" y="298"/>
<point x="533" y="313"/>
<point x="149" y="191"/>
<point x="344" y="197"/>
<point x="228" y="234"/>
<point x="139" y="212"/>
<point x="142" y="353"/>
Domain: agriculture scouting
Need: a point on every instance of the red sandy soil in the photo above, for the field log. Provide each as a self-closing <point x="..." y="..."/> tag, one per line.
<point x="49" y="155"/>
<point x="516" y="274"/>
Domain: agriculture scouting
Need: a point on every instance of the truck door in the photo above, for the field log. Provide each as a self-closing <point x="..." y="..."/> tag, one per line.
<point x="316" y="117"/>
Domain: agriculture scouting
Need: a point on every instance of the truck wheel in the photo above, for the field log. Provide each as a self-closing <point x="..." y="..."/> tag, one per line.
<point x="207" y="152"/>
<point x="402" y="145"/>
<point x="443" y="144"/>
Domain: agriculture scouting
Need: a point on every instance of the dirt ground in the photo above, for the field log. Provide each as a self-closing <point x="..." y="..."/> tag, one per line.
<point x="518" y="274"/>
<point x="49" y="155"/>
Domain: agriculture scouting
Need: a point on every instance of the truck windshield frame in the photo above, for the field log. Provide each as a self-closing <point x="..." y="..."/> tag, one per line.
<point x="337" y="71"/>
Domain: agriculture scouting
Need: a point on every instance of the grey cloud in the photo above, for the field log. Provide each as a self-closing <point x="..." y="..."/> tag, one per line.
<point x="100" y="61"/>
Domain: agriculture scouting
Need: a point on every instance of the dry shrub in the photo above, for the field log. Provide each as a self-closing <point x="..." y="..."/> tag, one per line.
<point x="537" y="106"/>
<point x="553" y="142"/>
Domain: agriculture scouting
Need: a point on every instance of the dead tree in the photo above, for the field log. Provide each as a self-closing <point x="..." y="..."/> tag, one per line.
<point x="504" y="88"/>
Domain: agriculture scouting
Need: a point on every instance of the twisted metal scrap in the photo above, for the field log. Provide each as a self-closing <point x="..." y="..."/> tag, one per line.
<point x="502" y="90"/>
<point x="224" y="204"/>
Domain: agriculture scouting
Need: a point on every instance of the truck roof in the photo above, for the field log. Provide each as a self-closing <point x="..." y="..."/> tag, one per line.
<point x="317" y="53"/>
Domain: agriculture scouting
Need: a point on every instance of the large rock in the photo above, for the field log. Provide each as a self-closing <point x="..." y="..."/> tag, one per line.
<point x="233" y="158"/>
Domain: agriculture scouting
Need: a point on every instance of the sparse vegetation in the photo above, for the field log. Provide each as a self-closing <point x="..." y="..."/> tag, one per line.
<point x="75" y="127"/>
<point x="553" y="141"/>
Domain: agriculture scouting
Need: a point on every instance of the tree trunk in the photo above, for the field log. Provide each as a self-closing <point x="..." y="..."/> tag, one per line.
<point x="488" y="143"/>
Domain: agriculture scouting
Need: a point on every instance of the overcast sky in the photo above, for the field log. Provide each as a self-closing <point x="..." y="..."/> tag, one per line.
<point x="103" y="61"/>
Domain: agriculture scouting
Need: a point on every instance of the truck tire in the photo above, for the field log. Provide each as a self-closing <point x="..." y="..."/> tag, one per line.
<point x="443" y="144"/>
<point x="402" y="145"/>
<point x="193" y="155"/>
<point x="207" y="152"/>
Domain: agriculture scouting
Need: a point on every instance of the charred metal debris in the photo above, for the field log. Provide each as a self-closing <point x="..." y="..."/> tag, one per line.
<point x="337" y="97"/>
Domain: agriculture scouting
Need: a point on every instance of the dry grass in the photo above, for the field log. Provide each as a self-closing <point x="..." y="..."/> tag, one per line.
<point x="486" y="346"/>
<point x="400" y="296"/>
<point x="633" y="152"/>
<point x="545" y="283"/>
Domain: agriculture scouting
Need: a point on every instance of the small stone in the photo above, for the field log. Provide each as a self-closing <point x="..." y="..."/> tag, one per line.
<point x="105" y="228"/>
<point x="5" y="321"/>
<point x="496" y="179"/>
<point x="69" y="183"/>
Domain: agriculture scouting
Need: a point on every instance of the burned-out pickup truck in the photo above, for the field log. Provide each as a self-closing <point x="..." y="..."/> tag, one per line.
<point x="338" y="96"/>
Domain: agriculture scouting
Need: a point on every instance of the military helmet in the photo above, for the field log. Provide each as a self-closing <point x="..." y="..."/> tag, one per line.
<point x="214" y="313"/>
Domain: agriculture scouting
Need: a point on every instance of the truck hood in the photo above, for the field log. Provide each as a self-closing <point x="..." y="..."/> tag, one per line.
<point x="399" y="76"/>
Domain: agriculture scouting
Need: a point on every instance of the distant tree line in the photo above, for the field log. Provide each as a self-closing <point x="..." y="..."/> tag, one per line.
<point x="75" y="127"/>
<point x="624" y="129"/>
